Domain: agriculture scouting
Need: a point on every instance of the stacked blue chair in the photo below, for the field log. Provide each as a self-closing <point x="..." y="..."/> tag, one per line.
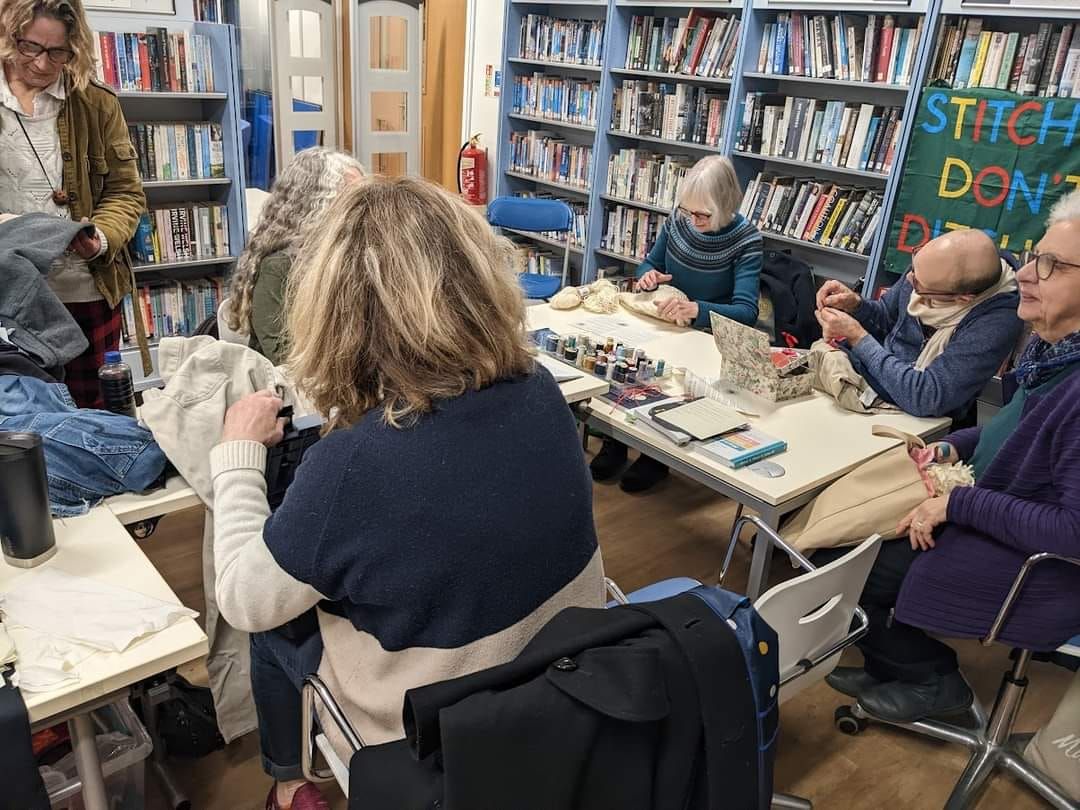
<point x="535" y="216"/>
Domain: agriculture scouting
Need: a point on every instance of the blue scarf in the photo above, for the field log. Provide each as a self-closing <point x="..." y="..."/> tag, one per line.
<point x="1041" y="360"/>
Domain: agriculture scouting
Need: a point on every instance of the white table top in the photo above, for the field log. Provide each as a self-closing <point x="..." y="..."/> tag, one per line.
<point x="97" y="545"/>
<point x="824" y="440"/>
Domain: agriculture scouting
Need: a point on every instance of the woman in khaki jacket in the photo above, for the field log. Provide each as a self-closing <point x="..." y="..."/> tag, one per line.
<point x="65" y="150"/>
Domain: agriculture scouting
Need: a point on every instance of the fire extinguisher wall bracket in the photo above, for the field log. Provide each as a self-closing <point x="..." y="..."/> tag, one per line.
<point x="472" y="172"/>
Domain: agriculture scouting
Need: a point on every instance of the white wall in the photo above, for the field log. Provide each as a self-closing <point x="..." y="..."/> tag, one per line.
<point x="483" y="46"/>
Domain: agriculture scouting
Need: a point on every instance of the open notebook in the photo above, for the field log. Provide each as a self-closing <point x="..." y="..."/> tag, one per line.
<point x="702" y="418"/>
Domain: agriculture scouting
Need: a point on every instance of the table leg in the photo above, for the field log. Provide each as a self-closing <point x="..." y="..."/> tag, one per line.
<point x="759" y="563"/>
<point x="87" y="762"/>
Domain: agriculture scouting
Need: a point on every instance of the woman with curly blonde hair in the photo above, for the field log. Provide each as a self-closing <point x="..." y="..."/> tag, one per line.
<point x="300" y="194"/>
<point x="445" y="517"/>
<point x="66" y="152"/>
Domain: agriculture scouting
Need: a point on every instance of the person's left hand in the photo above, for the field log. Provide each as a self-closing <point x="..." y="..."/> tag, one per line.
<point x="676" y="311"/>
<point x="922" y="520"/>
<point x="255" y="419"/>
<point x="87" y="246"/>
<point x="837" y="325"/>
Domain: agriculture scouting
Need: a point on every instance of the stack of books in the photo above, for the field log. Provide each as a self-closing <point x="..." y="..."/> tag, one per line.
<point x="694" y="45"/>
<point x="581" y="216"/>
<point x="849" y="47"/>
<point x="552" y="39"/>
<point x="1044" y="63"/>
<point x="647" y="177"/>
<point x="178" y="151"/>
<point x="154" y="62"/>
<point x="528" y="258"/>
<point x="834" y="133"/>
<point x="631" y="231"/>
<point x="210" y="11"/>
<point x="547" y="156"/>
<point x="171" y="310"/>
<point x="809" y="210"/>
<point x="182" y="232"/>
<point x="559" y="98"/>
<point x="673" y="111"/>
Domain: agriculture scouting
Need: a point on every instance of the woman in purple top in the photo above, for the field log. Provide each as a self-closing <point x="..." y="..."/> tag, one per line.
<point x="963" y="551"/>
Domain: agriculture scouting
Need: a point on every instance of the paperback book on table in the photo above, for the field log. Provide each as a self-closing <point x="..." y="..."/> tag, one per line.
<point x="743" y="447"/>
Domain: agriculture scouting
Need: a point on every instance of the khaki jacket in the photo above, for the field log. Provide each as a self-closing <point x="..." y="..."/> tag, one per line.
<point x="101" y="177"/>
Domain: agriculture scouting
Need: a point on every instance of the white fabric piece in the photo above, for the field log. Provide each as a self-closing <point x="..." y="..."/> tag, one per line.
<point x="24" y="188"/>
<point x="44" y="663"/>
<point x="7" y="647"/>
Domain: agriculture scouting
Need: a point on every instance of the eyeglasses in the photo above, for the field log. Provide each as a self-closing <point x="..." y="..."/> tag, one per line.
<point x="1045" y="263"/>
<point x="58" y="56"/>
<point x="697" y="217"/>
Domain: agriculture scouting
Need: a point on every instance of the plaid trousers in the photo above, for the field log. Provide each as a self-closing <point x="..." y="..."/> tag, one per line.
<point x="101" y="325"/>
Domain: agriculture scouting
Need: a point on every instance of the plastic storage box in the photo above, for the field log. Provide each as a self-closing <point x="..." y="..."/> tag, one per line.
<point x="123" y="746"/>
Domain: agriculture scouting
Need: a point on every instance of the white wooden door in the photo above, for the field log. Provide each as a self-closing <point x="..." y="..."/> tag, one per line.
<point x="388" y="39"/>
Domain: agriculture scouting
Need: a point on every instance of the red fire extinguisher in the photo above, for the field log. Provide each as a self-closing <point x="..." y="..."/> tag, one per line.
<point x="472" y="172"/>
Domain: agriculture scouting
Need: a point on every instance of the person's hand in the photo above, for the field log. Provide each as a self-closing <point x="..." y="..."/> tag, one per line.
<point x="944" y="453"/>
<point x="834" y="295"/>
<point x="650" y="281"/>
<point x="87" y="246"/>
<point x="922" y="520"/>
<point x="255" y="419"/>
<point x="676" y="311"/>
<point x="837" y="325"/>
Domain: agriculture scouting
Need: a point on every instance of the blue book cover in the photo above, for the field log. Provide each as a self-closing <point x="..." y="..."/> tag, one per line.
<point x="743" y="447"/>
<point x="904" y="35"/>
<point x="870" y="133"/>
<point x="967" y="52"/>
<point x="771" y="61"/>
<point x="120" y="43"/>
<point x="174" y="164"/>
<point x="841" y="29"/>
<point x="194" y="167"/>
<point x="144" y="239"/>
<point x="780" y="52"/>
<point x="132" y="55"/>
<point x="207" y="167"/>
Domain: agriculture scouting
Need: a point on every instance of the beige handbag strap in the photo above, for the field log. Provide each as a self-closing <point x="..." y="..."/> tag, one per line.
<point x="892" y="433"/>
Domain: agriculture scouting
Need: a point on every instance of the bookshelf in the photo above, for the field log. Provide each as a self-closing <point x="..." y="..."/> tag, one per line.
<point x="221" y="107"/>
<point x="832" y="78"/>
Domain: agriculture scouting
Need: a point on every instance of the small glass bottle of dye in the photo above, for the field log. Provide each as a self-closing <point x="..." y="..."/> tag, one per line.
<point x="609" y="345"/>
<point x="620" y="371"/>
<point x="610" y="373"/>
<point x="659" y="368"/>
<point x="571" y="354"/>
<point x="560" y="346"/>
<point x="631" y="374"/>
<point x="600" y="365"/>
<point x="589" y="363"/>
<point x="644" y="371"/>
<point x="551" y="344"/>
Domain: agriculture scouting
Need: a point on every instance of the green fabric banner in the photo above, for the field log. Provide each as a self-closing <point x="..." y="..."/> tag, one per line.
<point x="984" y="159"/>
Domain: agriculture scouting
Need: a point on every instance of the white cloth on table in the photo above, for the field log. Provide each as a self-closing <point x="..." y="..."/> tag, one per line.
<point x="57" y="620"/>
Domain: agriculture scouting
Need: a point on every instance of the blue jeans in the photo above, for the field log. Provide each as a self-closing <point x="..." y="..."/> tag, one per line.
<point x="278" y="669"/>
<point x="89" y="455"/>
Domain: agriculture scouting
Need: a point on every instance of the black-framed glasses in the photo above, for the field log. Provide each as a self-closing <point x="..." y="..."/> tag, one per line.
<point x="1045" y="263"/>
<point x="31" y="49"/>
<point x="697" y="216"/>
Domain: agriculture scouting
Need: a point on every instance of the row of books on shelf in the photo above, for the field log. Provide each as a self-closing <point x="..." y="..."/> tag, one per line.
<point x="559" y="98"/>
<point x="168" y="151"/>
<point x="546" y="156"/>
<point x="1042" y="63"/>
<point x="171" y="309"/>
<point x="581" y="215"/>
<point x="674" y="111"/>
<point x="646" y="176"/>
<point x="182" y="233"/>
<point x="695" y="45"/>
<point x="154" y="62"/>
<point x="631" y="231"/>
<point x="824" y="213"/>
<point x="530" y="258"/>
<point x="210" y="11"/>
<point x="849" y="47"/>
<point x="833" y="133"/>
<point x="554" y="39"/>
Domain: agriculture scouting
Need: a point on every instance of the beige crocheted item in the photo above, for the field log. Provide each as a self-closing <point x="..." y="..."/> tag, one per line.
<point x="944" y="478"/>
<point x="600" y="296"/>
<point x="644" y="303"/>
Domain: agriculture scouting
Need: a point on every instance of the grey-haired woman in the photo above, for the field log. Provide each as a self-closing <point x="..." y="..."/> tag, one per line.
<point x="257" y="291"/>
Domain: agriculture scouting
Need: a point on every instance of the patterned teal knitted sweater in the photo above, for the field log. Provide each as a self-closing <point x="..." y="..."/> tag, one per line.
<point x="718" y="270"/>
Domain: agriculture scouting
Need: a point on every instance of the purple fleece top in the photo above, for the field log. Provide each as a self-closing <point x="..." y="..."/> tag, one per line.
<point x="1027" y="501"/>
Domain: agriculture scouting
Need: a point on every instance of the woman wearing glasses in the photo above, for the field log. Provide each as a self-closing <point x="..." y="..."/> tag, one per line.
<point x="709" y="251"/>
<point x="65" y="150"/>
<point x="963" y="551"/>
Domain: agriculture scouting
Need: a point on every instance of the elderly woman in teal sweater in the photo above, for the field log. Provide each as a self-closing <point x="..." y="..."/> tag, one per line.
<point x="709" y="251"/>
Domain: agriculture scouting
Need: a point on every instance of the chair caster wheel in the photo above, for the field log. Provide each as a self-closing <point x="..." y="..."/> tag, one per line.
<point x="847" y="723"/>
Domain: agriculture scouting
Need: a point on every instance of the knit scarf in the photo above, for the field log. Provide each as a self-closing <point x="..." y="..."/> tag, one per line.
<point x="1041" y="360"/>
<point x="944" y="319"/>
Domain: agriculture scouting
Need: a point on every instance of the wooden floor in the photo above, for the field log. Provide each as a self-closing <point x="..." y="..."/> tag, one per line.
<point x="679" y="529"/>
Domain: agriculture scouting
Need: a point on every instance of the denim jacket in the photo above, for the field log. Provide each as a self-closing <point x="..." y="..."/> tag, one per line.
<point x="89" y="455"/>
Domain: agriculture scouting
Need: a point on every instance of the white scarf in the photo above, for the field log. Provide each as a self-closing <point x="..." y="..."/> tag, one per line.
<point x="944" y="319"/>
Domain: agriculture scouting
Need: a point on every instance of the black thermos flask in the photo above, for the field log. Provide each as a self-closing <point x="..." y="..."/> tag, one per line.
<point x="26" y="531"/>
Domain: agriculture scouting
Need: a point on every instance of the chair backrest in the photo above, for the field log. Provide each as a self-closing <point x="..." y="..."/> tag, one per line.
<point x="530" y="214"/>
<point x="224" y="332"/>
<point x="813" y="612"/>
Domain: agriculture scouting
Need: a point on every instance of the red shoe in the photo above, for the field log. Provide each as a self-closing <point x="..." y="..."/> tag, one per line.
<point x="308" y="797"/>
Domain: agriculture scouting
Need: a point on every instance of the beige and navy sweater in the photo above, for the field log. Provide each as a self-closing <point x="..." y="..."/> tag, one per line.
<point x="431" y="551"/>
